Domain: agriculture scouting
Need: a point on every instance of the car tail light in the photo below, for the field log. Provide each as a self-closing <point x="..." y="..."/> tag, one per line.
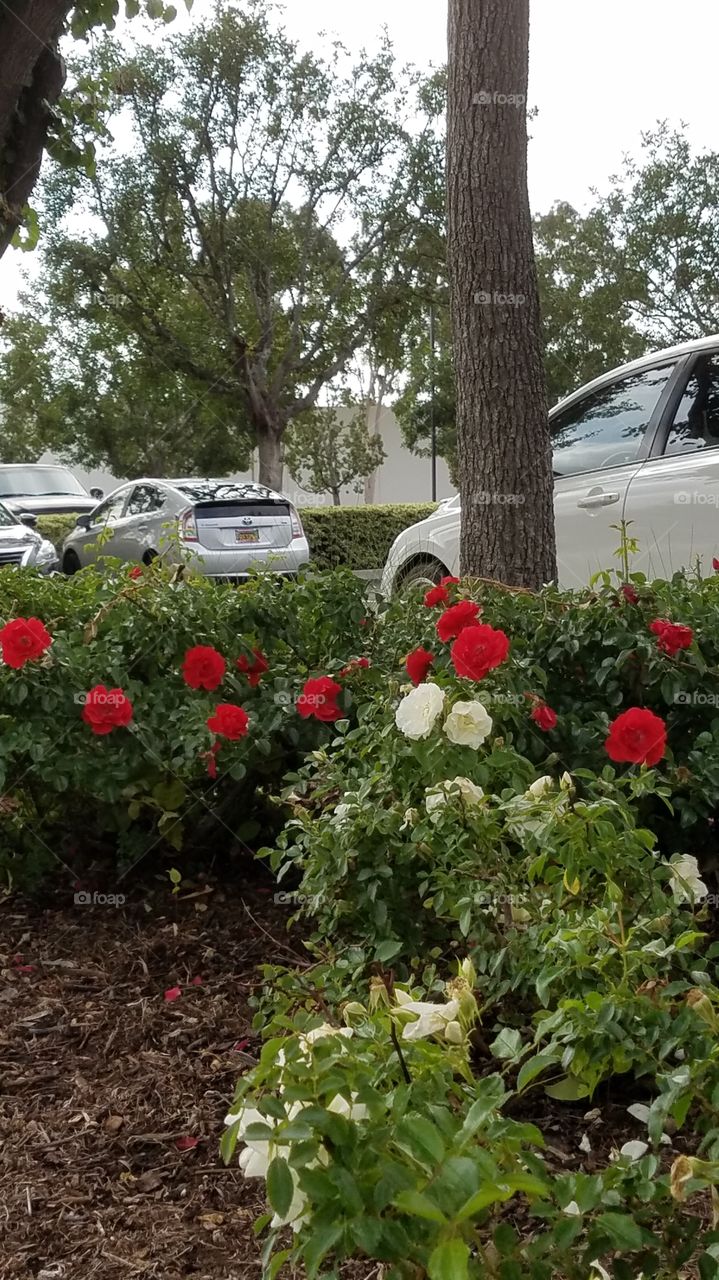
<point x="297" y="530"/>
<point x="188" y="526"/>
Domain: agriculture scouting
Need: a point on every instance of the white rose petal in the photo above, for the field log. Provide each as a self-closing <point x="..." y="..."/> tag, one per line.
<point x="639" y="1111"/>
<point x="634" y="1150"/>
<point x="438" y="797"/>
<point x="685" y="881"/>
<point x="432" y="1019"/>
<point x="572" y="1209"/>
<point x="585" y="1145"/>
<point x="468" y="724"/>
<point x="541" y="787"/>
<point x="418" y="711"/>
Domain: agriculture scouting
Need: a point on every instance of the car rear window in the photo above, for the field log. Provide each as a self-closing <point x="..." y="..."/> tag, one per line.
<point x="228" y="509"/>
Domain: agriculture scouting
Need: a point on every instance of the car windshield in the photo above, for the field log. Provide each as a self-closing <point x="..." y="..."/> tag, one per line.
<point x="222" y="491"/>
<point x="7" y="518"/>
<point x="39" y="482"/>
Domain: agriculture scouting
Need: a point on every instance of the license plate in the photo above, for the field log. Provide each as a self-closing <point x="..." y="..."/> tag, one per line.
<point x="247" y="535"/>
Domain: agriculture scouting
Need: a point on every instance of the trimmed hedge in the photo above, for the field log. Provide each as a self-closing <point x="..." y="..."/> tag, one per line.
<point x="354" y="537"/>
<point x="358" y="537"/>
<point x="56" y="528"/>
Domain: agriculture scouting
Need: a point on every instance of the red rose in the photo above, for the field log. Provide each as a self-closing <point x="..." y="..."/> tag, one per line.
<point x="456" y="618"/>
<point x="543" y="716"/>
<point x="418" y="663"/>
<point x="439" y="594"/>
<point x="671" y="636"/>
<point x="106" y="709"/>
<point x="203" y="667"/>
<point x="637" y="736"/>
<point x="228" y="721"/>
<point x="23" y="639"/>
<point x="630" y="594"/>
<point x="715" y="565"/>
<point x="319" y="699"/>
<point x="477" y="650"/>
<point x="136" y="572"/>
<point x="357" y="664"/>
<point x="254" y="670"/>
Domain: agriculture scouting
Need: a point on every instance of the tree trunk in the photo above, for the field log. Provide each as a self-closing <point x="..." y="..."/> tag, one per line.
<point x="269" y="449"/>
<point x="32" y="75"/>
<point x="505" y="462"/>
<point x="336" y="498"/>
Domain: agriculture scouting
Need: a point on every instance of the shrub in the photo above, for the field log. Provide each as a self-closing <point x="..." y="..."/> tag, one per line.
<point x="358" y="537"/>
<point x="70" y="792"/>
<point x="56" y="528"/>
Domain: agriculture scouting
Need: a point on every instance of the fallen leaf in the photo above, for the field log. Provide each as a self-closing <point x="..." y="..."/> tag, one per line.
<point x="173" y="993"/>
<point x="186" y="1144"/>
<point x="113" y="1124"/>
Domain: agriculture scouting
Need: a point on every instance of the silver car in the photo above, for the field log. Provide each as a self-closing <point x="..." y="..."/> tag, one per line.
<point x="218" y="528"/>
<point x="20" y="544"/>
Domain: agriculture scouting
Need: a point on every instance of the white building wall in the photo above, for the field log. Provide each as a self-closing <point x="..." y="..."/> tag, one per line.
<point x="402" y="477"/>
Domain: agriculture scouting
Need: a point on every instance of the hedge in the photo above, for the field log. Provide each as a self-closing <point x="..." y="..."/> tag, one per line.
<point x="355" y="537"/>
<point x="358" y="537"/>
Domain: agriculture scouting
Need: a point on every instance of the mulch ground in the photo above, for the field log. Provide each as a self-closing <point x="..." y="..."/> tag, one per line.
<point x="112" y="1097"/>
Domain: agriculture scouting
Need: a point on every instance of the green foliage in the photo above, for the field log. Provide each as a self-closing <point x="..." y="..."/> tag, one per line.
<point x="358" y="537"/>
<point x="333" y="449"/>
<point x="68" y="794"/>
<point x="208" y="298"/>
<point x="56" y="528"/>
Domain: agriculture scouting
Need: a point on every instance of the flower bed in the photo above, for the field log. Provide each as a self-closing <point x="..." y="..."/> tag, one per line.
<point x="500" y="797"/>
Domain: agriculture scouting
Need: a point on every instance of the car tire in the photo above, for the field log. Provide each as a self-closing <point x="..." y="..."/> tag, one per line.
<point x="421" y="576"/>
<point x="70" y="563"/>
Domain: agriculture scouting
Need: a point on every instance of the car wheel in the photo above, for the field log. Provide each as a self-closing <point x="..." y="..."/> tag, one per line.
<point x="422" y="575"/>
<point x="70" y="562"/>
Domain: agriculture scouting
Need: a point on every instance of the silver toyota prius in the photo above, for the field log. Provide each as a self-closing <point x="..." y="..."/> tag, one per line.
<point x="218" y="528"/>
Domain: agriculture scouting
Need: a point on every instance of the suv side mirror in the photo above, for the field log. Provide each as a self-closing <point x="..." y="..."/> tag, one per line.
<point x="83" y="521"/>
<point x="29" y="518"/>
<point x="97" y="493"/>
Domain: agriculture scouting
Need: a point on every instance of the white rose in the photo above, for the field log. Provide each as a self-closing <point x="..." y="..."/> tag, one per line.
<point x="432" y="1019"/>
<point x="462" y="788"/>
<point x="418" y="711"/>
<point x="468" y="724"/>
<point x="541" y="787"/>
<point x="685" y="882"/>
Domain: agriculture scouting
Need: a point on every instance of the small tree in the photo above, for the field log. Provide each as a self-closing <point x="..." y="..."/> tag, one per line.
<point x="332" y="450"/>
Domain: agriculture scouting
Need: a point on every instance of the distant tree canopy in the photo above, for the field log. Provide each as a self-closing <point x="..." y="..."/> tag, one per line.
<point x="255" y="238"/>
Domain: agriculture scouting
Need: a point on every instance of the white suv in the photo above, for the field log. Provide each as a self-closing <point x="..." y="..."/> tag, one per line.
<point x="640" y="444"/>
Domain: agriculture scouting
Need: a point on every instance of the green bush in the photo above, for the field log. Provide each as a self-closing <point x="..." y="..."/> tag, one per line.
<point x="56" y="528"/>
<point x="68" y="794"/>
<point x="358" y="537"/>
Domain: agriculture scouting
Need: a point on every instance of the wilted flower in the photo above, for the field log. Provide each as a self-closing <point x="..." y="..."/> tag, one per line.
<point x="685" y="881"/>
<point x="432" y="1019"/>
<point x="437" y="798"/>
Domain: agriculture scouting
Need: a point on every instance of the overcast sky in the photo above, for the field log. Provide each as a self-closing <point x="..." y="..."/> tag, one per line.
<point x="601" y="72"/>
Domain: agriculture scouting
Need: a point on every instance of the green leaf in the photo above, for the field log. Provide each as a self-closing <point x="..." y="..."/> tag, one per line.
<point x="319" y="1245"/>
<point x="420" y="1205"/>
<point x="507" y="1044"/>
<point x="567" y="1090"/>
<point x="621" y="1229"/>
<point x="449" y="1261"/>
<point x="280" y="1186"/>
<point x="387" y="950"/>
<point x="534" y="1067"/>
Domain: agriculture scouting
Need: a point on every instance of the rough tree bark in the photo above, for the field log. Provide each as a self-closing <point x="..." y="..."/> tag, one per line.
<point x="32" y="75"/>
<point x="505" y="465"/>
<point x="269" y="454"/>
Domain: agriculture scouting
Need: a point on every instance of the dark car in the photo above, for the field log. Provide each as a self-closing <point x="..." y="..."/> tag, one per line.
<point x="44" y="490"/>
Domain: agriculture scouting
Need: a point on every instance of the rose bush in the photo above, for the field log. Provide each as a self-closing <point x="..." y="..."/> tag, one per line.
<point x="142" y="712"/>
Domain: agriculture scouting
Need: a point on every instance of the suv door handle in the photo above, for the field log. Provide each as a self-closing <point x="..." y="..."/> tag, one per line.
<point x="598" y="500"/>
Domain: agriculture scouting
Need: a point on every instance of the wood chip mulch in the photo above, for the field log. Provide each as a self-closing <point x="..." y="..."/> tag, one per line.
<point x="112" y="1097"/>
